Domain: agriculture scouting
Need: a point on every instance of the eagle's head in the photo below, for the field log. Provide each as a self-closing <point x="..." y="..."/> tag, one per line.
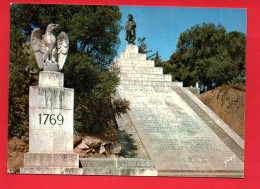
<point x="52" y="27"/>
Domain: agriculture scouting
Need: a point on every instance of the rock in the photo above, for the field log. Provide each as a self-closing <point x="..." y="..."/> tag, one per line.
<point x="11" y="171"/>
<point x="115" y="148"/>
<point x="76" y="140"/>
<point x="102" y="150"/>
<point x="92" y="142"/>
<point x="93" y="150"/>
<point x="89" y="150"/>
<point x="83" y="146"/>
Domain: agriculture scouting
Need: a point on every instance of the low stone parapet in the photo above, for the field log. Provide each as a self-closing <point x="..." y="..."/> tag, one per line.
<point x="122" y="167"/>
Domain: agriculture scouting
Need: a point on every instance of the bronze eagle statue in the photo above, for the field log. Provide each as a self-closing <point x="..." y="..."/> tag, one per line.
<point x="50" y="52"/>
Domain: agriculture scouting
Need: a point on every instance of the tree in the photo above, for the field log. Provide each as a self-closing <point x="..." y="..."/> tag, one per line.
<point x="156" y="57"/>
<point x="142" y="48"/>
<point x="209" y="55"/>
<point x="93" y="30"/>
<point x="93" y="33"/>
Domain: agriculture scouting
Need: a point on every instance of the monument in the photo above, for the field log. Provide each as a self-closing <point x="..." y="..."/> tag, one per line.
<point x="180" y="135"/>
<point x="130" y="26"/>
<point x="51" y="109"/>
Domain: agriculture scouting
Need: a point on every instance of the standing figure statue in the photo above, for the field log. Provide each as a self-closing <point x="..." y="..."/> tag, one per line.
<point x="130" y="30"/>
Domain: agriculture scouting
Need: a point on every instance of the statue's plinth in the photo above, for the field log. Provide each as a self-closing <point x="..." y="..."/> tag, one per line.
<point x="51" y="128"/>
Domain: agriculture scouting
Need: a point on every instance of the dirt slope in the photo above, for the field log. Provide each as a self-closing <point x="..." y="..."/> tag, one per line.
<point x="228" y="102"/>
<point x="16" y="149"/>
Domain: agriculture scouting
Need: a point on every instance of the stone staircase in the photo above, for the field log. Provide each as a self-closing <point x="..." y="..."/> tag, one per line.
<point x="136" y="70"/>
<point x="171" y="126"/>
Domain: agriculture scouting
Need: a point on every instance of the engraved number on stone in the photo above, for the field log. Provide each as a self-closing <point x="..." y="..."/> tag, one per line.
<point x="60" y="119"/>
<point x="52" y="119"/>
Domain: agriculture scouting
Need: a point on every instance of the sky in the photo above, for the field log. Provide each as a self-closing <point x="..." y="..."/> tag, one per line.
<point x="162" y="26"/>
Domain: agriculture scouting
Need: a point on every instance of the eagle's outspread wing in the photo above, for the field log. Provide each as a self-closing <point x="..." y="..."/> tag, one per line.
<point x="63" y="47"/>
<point x="38" y="46"/>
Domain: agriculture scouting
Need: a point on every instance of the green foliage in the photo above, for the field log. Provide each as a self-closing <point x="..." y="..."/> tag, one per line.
<point x="142" y="48"/>
<point x="156" y="57"/>
<point x="93" y="87"/>
<point x="93" y="33"/>
<point x="92" y="30"/>
<point x="120" y="106"/>
<point x="209" y="55"/>
<point x="20" y="77"/>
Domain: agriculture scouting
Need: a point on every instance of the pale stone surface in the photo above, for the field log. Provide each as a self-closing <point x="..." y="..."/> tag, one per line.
<point x="51" y="160"/>
<point x="51" y="128"/>
<point x="47" y="108"/>
<point x="180" y="135"/>
<point x="120" y="167"/>
<point x="120" y="172"/>
<point x="52" y="170"/>
<point x="129" y="137"/>
<point x="51" y="79"/>
<point x="131" y="49"/>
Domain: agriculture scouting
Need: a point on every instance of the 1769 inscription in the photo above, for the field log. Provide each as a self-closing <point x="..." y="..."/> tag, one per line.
<point x="51" y="118"/>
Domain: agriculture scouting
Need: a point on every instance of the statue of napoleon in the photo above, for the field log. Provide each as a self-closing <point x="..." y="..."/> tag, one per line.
<point x="130" y="30"/>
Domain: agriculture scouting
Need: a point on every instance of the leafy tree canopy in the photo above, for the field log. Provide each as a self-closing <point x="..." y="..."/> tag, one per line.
<point x="92" y="30"/>
<point x="208" y="54"/>
<point x="142" y="48"/>
<point x="93" y="34"/>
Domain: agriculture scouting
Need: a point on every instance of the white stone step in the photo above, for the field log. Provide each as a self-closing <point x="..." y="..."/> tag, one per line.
<point x="145" y="70"/>
<point x="132" y="56"/>
<point x="159" y="77"/>
<point x="113" y="166"/>
<point x="134" y="61"/>
<point x="120" y="171"/>
<point x="146" y="64"/>
<point x="116" y="163"/>
<point x="144" y="79"/>
<point x="134" y="67"/>
<point x="148" y="83"/>
<point x="131" y="49"/>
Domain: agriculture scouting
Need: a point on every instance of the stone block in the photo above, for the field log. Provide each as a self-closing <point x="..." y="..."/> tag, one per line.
<point x="120" y="172"/>
<point x="146" y="64"/>
<point x="164" y="79"/>
<point x="131" y="49"/>
<point x="157" y="77"/>
<point x="119" y="167"/>
<point x="52" y="170"/>
<point x="38" y="160"/>
<point x="132" y="56"/>
<point x="51" y="98"/>
<point x="51" y="79"/>
<point x="134" y="163"/>
<point x="43" y="160"/>
<point x="51" y="128"/>
<point x="51" y="119"/>
<point x="98" y="162"/>
<point x="133" y="69"/>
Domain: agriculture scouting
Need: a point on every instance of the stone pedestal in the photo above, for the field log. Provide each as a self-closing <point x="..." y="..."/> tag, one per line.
<point x="51" y="128"/>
